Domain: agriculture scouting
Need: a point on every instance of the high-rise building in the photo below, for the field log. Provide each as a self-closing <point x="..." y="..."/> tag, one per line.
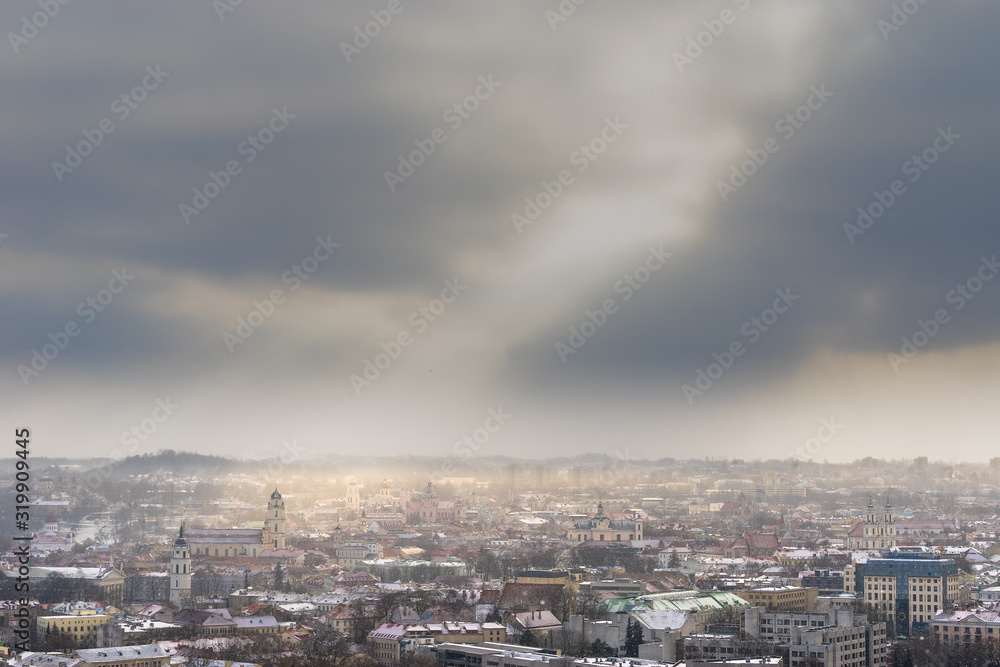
<point x="914" y="587"/>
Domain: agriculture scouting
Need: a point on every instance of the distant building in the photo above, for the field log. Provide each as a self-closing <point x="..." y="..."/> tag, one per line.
<point x="109" y="580"/>
<point x="602" y="528"/>
<point x="828" y="582"/>
<point x="876" y="532"/>
<point x="753" y="544"/>
<point x="431" y="510"/>
<point x="781" y="598"/>
<point x="232" y="542"/>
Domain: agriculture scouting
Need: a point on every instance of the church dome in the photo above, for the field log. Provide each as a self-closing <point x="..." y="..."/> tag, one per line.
<point x="275" y="495"/>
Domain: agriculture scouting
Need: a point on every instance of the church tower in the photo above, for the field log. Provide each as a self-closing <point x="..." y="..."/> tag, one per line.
<point x="353" y="496"/>
<point x="274" y="523"/>
<point x="180" y="571"/>
<point x="889" y="523"/>
<point x="879" y="529"/>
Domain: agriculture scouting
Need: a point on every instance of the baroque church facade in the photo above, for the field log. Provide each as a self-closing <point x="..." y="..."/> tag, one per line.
<point x="232" y="542"/>
<point x="602" y="528"/>
<point x="877" y="532"/>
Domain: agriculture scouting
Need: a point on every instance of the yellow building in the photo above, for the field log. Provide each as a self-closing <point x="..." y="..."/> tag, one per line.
<point x="83" y="628"/>
<point x="782" y="598"/>
<point x="929" y="594"/>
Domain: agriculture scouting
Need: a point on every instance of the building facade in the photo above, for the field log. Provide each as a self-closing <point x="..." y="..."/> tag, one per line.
<point x="601" y="528"/>
<point x="234" y="542"/>
<point x="913" y="587"/>
<point x="781" y="598"/>
<point x="877" y="532"/>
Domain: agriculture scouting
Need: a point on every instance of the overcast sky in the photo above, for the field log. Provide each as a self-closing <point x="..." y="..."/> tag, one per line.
<point x="370" y="175"/>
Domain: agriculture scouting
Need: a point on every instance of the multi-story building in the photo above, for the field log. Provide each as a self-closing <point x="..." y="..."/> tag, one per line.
<point x="911" y="586"/>
<point x="85" y="628"/>
<point x="781" y="598"/>
<point x="390" y="641"/>
<point x="860" y="645"/>
<point x="350" y="553"/>
<point x="776" y="626"/>
<point x="828" y="582"/>
<point x="966" y="627"/>
<point x="431" y="510"/>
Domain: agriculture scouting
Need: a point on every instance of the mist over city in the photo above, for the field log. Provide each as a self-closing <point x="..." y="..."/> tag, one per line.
<point x="563" y="333"/>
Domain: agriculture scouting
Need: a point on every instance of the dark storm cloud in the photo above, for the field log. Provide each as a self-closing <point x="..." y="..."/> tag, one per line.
<point x="324" y="176"/>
